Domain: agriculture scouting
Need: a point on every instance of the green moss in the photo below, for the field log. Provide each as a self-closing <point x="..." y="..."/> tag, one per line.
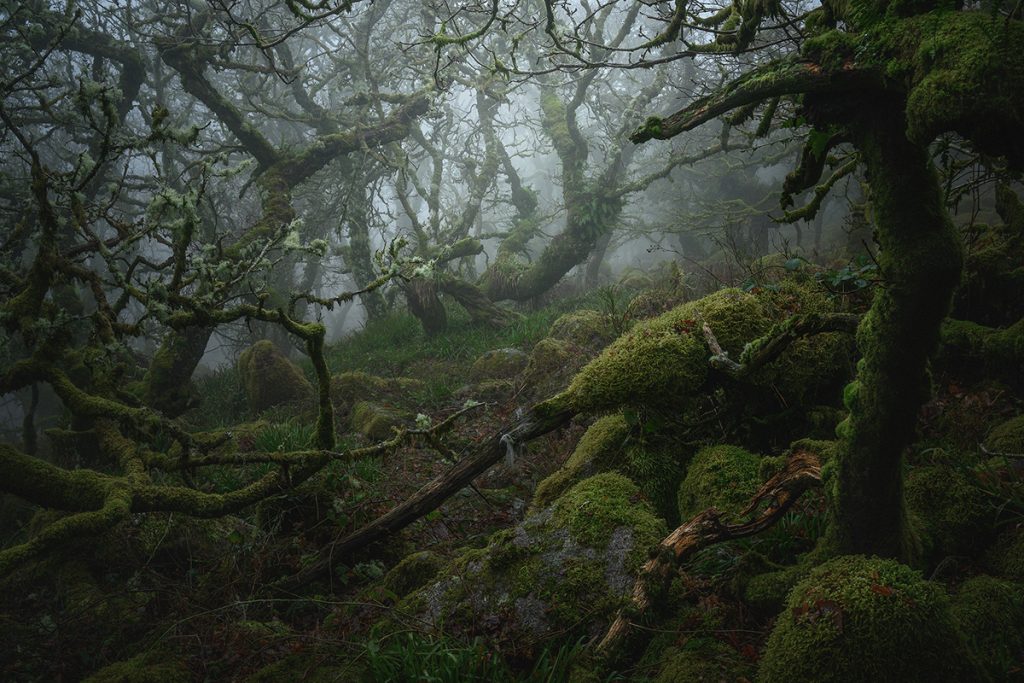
<point x="1007" y="437"/>
<point x="559" y="574"/>
<point x="413" y="572"/>
<point x="550" y="367"/>
<point x="493" y="390"/>
<point x="598" y="450"/>
<point x="376" y="422"/>
<point x="865" y="619"/>
<point x="149" y="667"/>
<point x="991" y="352"/>
<point x="665" y="360"/>
<point x="954" y="516"/>
<point x="766" y="592"/>
<point x="1006" y="557"/>
<point x="703" y="659"/>
<point x="724" y="477"/>
<point x="990" y="613"/>
<point x="270" y="379"/>
<point x="592" y="509"/>
<point x="657" y="467"/>
<point x="586" y="328"/>
<point x="499" y="364"/>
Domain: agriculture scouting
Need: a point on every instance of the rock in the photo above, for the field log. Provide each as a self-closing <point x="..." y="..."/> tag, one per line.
<point x="724" y="477"/>
<point x="990" y="612"/>
<point x="551" y="365"/>
<point x="954" y="515"/>
<point x="413" y="572"/>
<point x="348" y="388"/>
<point x="499" y="364"/>
<point x="1007" y="437"/>
<point x="558" y="575"/>
<point x="376" y="422"/>
<point x="585" y="328"/>
<point x="270" y="379"/>
<point x="856" y="618"/>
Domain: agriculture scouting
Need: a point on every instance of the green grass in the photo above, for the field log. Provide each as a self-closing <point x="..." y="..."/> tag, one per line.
<point x="222" y="399"/>
<point x="389" y="346"/>
<point x="412" y="656"/>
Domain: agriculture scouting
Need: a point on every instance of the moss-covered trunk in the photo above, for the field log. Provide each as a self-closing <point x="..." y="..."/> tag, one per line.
<point x="921" y="259"/>
<point x="426" y="305"/>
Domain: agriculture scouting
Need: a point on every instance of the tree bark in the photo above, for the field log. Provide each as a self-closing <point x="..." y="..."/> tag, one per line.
<point x="921" y="259"/>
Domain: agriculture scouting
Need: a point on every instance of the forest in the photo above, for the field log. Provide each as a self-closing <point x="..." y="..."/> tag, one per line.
<point x="511" y="340"/>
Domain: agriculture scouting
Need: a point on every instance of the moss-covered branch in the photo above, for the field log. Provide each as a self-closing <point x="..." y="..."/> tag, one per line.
<point x="789" y="77"/>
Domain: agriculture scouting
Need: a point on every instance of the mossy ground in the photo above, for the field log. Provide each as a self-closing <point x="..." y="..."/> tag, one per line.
<point x="535" y="548"/>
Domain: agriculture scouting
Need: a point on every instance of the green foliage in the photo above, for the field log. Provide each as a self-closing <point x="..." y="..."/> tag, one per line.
<point x="859" y="274"/>
<point x="283" y="437"/>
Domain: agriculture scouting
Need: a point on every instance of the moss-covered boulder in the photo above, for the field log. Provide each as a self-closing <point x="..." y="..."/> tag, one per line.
<point x="270" y="379"/>
<point x="585" y="328"/>
<point x="413" y="572"/>
<point x="486" y="390"/>
<point x="724" y="477"/>
<point x="555" y="577"/>
<point x="663" y="363"/>
<point x="990" y="613"/>
<point x="1007" y="437"/>
<point x="550" y="367"/>
<point x="349" y="388"/>
<point x="953" y="515"/>
<point x="597" y="451"/>
<point x="857" y="618"/>
<point x="499" y="364"/>
<point x="377" y="422"/>
<point x="611" y="445"/>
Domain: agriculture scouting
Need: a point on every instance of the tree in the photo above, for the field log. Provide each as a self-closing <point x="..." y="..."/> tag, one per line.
<point x="889" y="78"/>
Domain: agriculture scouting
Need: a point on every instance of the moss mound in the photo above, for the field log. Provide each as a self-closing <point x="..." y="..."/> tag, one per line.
<point x="550" y="366"/>
<point x="528" y="584"/>
<point x="586" y="328"/>
<point x="376" y="422"/>
<point x="1006" y="557"/>
<point x="990" y="612"/>
<point x="725" y="477"/>
<point x="499" y="364"/>
<point x="665" y="360"/>
<point x="413" y="572"/>
<point x="1007" y="437"/>
<point x="951" y="511"/>
<point x="270" y="379"/>
<point x="857" y="618"/>
<point x="598" y="450"/>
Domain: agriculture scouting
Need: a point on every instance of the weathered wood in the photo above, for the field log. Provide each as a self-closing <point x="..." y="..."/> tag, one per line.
<point x="802" y="471"/>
